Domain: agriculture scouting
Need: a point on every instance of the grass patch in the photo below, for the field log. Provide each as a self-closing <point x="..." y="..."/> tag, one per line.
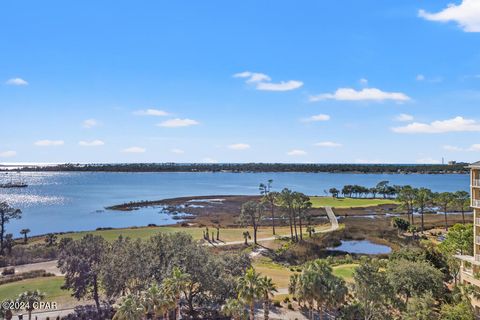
<point x="226" y="234"/>
<point x="50" y="286"/>
<point x="345" y="271"/>
<point x="280" y="275"/>
<point x="348" y="202"/>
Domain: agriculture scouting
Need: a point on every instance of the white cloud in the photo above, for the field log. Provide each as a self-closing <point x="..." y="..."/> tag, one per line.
<point x="263" y="82"/>
<point x="93" y="143"/>
<point x="349" y="94"/>
<point x="175" y="123"/>
<point x="296" y="152"/>
<point x="318" y="117"/>
<point x="457" y="124"/>
<point x="363" y="82"/>
<point x="281" y="86"/>
<point x="151" y="112"/>
<point x="239" y="146"/>
<point x="452" y="148"/>
<point x="403" y="117"/>
<point x="134" y="150"/>
<point x="90" y="123"/>
<point x="328" y="144"/>
<point x="49" y="143"/>
<point x="8" y="154"/>
<point x="177" y="151"/>
<point x="252" y="77"/>
<point x="474" y="147"/>
<point x="209" y="160"/>
<point x="16" y="82"/>
<point x="420" y="77"/>
<point x="428" y="161"/>
<point x="466" y="14"/>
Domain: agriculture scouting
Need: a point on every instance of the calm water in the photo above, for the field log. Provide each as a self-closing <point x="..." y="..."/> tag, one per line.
<point x="363" y="247"/>
<point x="75" y="201"/>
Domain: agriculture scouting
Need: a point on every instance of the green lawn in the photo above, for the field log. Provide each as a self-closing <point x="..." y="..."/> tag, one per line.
<point x="226" y="234"/>
<point x="50" y="286"/>
<point x="348" y="202"/>
<point x="281" y="275"/>
<point x="345" y="271"/>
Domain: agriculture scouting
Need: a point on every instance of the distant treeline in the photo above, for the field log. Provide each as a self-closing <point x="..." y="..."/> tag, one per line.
<point x="257" y="167"/>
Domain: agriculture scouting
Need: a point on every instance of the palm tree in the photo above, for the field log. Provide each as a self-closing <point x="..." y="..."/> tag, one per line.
<point x="131" y="308"/>
<point x="269" y="197"/>
<point x="30" y="298"/>
<point x="24" y="232"/>
<point x="234" y="308"/>
<point x="174" y="285"/>
<point x="156" y="302"/>
<point x="248" y="289"/>
<point x="267" y="288"/>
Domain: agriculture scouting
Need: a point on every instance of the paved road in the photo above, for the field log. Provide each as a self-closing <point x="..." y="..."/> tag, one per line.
<point x="49" y="266"/>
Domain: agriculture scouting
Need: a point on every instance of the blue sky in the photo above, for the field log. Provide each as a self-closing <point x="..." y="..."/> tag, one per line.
<point x="240" y="81"/>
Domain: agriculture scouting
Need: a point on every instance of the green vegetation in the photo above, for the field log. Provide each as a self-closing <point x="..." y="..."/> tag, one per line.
<point x="345" y="271"/>
<point x="318" y="202"/>
<point x="258" y="167"/>
<point x="226" y="234"/>
<point x="50" y="286"/>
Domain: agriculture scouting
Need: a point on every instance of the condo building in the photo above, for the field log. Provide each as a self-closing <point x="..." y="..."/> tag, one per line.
<point x="470" y="265"/>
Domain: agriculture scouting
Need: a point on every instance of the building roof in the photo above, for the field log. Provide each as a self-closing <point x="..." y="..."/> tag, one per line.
<point x="475" y="165"/>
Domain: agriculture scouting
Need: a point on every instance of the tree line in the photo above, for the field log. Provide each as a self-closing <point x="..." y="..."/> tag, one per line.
<point x="357" y="191"/>
<point x="422" y="200"/>
<point x="256" y="167"/>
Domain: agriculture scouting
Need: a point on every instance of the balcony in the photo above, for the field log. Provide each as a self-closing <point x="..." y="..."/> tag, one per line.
<point x="476" y="183"/>
<point x="477" y="257"/>
<point x="477" y="221"/>
<point x="477" y="239"/>
<point x="476" y="203"/>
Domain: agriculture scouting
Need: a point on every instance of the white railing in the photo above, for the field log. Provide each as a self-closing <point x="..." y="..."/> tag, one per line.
<point x="477" y="257"/>
<point x="477" y="239"/>
<point x="477" y="221"/>
<point x="476" y="183"/>
<point x="476" y="203"/>
<point x="468" y="271"/>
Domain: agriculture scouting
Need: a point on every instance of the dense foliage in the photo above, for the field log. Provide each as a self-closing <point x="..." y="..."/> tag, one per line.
<point x="257" y="167"/>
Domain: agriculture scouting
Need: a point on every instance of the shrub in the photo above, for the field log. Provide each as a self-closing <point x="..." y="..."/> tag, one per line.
<point x="25" y="275"/>
<point x="286" y="299"/>
<point x="277" y="304"/>
<point x="289" y="306"/>
<point x="8" y="271"/>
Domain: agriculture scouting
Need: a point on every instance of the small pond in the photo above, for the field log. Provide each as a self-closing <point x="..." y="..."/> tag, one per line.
<point x="362" y="247"/>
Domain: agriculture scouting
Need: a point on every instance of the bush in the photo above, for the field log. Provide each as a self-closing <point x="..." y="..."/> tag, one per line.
<point x="8" y="271"/>
<point x="25" y="275"/>
<point x="289" y="306"/>
<point x="286" y="299"/>
<point x="277" y="304"/>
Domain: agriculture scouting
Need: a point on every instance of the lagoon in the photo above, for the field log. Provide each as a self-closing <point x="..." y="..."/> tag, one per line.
<point x="362" y="247"/>
<point x="75" y="201"/>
